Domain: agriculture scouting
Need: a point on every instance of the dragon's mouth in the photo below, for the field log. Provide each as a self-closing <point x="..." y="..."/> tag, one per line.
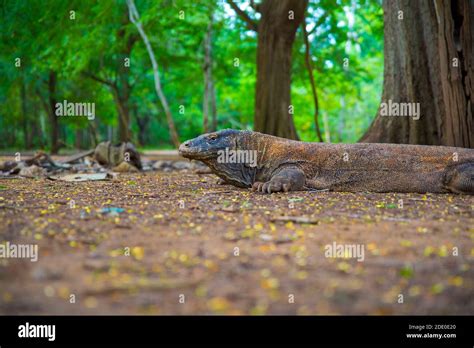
<point x="194" y="153"/>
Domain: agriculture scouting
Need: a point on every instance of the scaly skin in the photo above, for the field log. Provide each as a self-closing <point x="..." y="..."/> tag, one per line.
<point x="287" y="165"/>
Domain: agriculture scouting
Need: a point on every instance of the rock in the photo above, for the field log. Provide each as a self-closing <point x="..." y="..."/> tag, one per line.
<point x="7" y="166"/>
<point x="159" y="165"/>
<point x="180" y="165"/>
<point x="125" y="167"/>
<point x="32" y="171"/>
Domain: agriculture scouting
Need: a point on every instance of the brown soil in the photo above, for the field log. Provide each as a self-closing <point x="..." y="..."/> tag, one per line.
<point x="180" y="231"/>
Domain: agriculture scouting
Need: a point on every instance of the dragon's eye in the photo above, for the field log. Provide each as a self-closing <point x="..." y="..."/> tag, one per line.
<point x="212" y="137"/>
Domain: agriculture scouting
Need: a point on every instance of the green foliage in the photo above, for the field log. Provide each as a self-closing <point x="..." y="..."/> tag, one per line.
<point x="349" y="97"/>
<point x="46" y="39"/>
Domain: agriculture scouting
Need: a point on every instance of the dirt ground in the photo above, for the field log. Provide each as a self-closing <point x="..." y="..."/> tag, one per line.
<point x="185" y="245"/>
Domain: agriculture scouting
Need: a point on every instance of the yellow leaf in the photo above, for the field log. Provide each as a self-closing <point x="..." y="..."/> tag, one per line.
<point x="270" y="283"/>
<point x="138" y="253"/>
<point x="456" y="281"/>
<point x="218" y="304"/>
<point x="343" y="266"/>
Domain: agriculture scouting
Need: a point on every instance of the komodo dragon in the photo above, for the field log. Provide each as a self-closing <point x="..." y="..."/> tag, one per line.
<point x="288" y="165"/>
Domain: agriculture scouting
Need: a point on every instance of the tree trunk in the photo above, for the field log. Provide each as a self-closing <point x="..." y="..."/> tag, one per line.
<point x="78" y="140"/>
<point x="37" y="133"/>
<point x="54" y="130"/>
<point x="276" y="34"/>
<point x="93" y="133"/>
<point x="124" y="131"/>
<point x="24" y="112"/>
<point x="123" y="114"/>
<point x="429" y="59"/>
<point x="123" y="85"/>
<point x="142" y="123"/>
<point x="213" y="106"/>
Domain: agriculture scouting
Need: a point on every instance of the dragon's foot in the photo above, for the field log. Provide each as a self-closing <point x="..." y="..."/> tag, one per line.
<point x="274" y="185"/>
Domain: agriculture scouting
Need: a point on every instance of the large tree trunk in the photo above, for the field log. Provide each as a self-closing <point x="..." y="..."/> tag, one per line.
<point x="276" y="33"/>
<point x="121" y="103"/>
<point x="429" y="59"/>
<point x="123" y="85"/>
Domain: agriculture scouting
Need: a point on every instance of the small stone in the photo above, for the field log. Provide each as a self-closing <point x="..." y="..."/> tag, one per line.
<point x="266" y="237"/>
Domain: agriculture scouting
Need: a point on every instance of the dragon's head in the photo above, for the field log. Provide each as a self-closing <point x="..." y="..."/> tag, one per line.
<point x="207" y="146"/>
<point x="227" y="153"/>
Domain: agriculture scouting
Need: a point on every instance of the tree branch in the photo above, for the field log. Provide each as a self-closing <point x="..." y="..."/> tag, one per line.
<point x="244" y="16"/>
<point x="43" y="102"/>
<point x="101" y="80"/>
<point x="135" y="19"/>
<point x="255" y="6"/>
<point x="318" y="24"/>
<point x="309" y="66"/>
<point x="115" y="93"/>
